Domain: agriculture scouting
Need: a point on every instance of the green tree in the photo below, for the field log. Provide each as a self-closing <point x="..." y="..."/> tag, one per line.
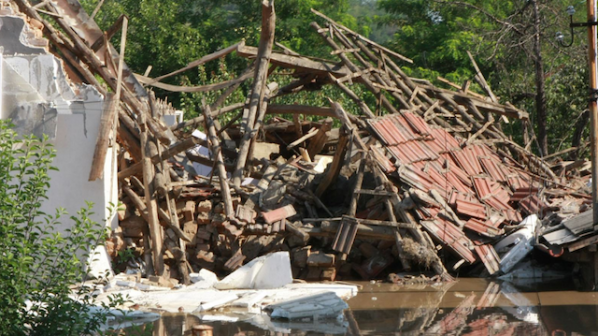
<point x="38" y="265"/>
<point x="514" y="44"/>
<point x="169" y="34"/>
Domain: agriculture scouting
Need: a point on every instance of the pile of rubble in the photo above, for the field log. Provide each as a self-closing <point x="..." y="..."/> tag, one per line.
<point x="427" y="170"/>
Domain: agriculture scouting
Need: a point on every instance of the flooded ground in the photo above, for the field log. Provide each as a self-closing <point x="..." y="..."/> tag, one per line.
<point x="465" y="307"/>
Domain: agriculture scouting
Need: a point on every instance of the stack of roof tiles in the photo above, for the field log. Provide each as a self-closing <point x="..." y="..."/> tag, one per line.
<point x="472" y="178"/>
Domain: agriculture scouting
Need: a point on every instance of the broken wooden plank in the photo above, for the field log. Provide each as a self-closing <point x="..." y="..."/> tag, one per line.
<point x="298" y="63"/>
<point x="345" y="133"/>
<point x="102" y="142"/>
<point x="150" y="200"/>
<point x="220" y="169"/>
<point x="207" y="58"/>
<point x="319" y="140"/>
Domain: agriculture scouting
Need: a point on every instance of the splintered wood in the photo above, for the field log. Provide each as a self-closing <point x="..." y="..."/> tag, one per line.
<point x="381" y="188"/>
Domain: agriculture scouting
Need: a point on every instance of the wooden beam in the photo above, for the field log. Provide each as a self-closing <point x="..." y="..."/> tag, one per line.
<point x="298" y="63"/>
<point x="150" y="201"/>
<point x="109" y="116"/>
<point x="258" y="91"/>
<point x="214" y="144"/>
<point x="345" y="133"/>
<point x="199" y="120"/>
<point x="203" y="60"/>
<point x="99" y="43"/>
<point x="167" y="154"/>
<point x="370" y="42"/>
<point x="190" y="89"/>
<point x="319" y="141"/>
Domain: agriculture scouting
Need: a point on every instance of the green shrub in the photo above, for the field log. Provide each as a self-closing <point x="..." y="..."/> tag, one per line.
<point x="39" y="267"/>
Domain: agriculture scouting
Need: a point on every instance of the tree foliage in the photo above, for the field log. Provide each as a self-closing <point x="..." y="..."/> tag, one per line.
<point x="38" y="265"/>
<point x="169" y="34"/>
<point x="437" y="34"/>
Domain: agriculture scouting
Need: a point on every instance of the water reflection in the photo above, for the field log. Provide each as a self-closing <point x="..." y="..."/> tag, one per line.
<point x="466" y="307"/>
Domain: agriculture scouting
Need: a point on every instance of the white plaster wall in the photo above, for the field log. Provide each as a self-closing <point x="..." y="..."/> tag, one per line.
<point x="34" y="80"/>
<point x="1" y="93"/>
<point x="69" y="187"/>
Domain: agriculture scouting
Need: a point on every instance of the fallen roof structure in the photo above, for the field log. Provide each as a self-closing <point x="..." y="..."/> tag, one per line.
<point x="426" y="166"/>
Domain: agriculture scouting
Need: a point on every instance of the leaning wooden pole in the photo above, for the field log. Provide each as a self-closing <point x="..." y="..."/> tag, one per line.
<point x="214" y="143"/>
<point x="155" y="229"/>
<point x="109" y="117"/>
<point x="259" y="87"/>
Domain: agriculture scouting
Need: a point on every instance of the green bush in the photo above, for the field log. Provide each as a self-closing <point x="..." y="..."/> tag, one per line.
<point x="39" y="267"/>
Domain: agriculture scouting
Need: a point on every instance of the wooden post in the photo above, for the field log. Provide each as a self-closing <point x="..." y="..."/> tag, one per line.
<point x="150" y="200"/>
<point x="319" y="141"/>
<point x="345" y="134"/>
<point x="593" y="59"/>
<point x="259" y="85"/>
<point x="109" y="117"/>
<point x="215" y="147"/>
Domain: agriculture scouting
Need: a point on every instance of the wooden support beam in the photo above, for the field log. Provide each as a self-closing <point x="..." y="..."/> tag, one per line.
<point x="298" y="63"/>
<point x="319" y="140"/>
<point x="150" y="200"/>
<point x="210" y="57"/>
<point x="481" y="79"/>
<point x="101" y="148"/>
<point x="109" y="116"/>
<point x="167" y="154"/>
<point x="140" y="205"/>
<point x="312" y="132"/>
<point x="385" y="102"/>
<point x="200" y="119"/>
<point x="258" y="92"/>
<point x="214" y="144"/>
<point x="110" y="32"/>
<point x="372" y="43"/>
<point x="191" y="89"/>
<point x="345" y="134"/>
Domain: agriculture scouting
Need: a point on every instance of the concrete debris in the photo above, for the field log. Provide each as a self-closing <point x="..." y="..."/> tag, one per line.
<point x="317" y="306"/>
<point x="265" y="272"/>
<point x="338" y="196"/>
<point x="517" y="245"/>
<point x="329" y="298"/>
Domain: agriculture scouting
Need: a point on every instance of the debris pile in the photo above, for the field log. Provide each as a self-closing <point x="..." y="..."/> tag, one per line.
<point x="347" y="195"/>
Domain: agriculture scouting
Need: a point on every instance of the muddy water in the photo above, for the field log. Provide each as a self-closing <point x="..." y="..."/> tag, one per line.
<point x="465" y="307"/>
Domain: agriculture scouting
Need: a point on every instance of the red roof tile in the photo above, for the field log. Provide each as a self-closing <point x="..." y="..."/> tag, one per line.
<point x="279" y="214"/>
<point x="532" y="204"/>
<point x="472" y="209"/>
<point x="483" y="227"/>
<point x="493" y="168"/>
<point x="451" y="236"/>
<point x="489" y="257"/>
<point x="444" y="139"/>
<point x="418" y="124"/>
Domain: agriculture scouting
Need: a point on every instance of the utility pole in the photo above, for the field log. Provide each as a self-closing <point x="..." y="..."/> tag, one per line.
<point x="593" y="104"/>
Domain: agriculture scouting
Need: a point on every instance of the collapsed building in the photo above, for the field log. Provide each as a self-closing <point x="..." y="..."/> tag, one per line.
<point x="426" y="180"/>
